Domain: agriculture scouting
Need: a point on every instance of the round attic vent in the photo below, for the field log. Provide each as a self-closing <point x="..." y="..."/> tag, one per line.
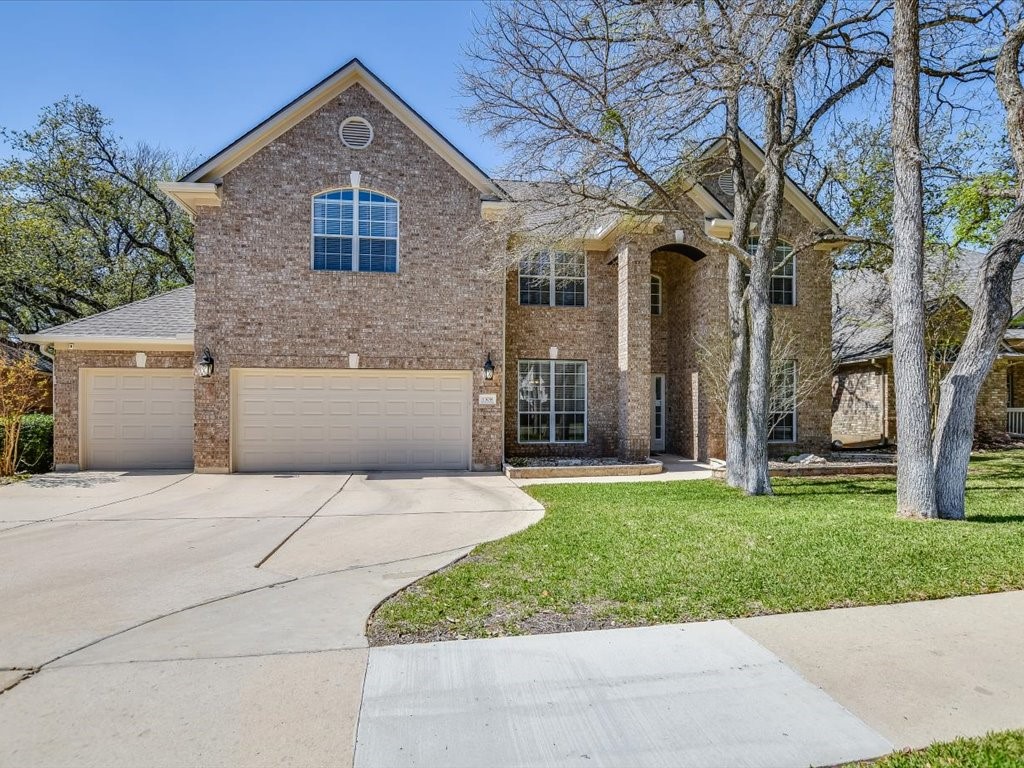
<point x="725" y="183"/>
<point x="355" y="133"/>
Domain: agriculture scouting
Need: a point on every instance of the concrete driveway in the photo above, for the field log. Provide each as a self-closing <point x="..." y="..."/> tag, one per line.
<point x="168" y="619"/>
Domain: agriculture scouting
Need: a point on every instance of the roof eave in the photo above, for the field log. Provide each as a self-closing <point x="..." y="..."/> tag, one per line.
<point x="192" y="195"/>
<point x="97" y="342"/>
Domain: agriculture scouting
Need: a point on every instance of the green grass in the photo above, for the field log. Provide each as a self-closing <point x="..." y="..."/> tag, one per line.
<point x="643" y="553"/>
<point x="995" y="750"/>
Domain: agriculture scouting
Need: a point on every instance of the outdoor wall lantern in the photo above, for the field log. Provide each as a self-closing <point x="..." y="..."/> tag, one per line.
<point x="488" y="368"/>
<point x="204" y="368"/>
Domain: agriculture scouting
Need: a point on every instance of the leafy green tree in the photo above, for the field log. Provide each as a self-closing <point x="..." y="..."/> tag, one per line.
<point x="83" y="227"/>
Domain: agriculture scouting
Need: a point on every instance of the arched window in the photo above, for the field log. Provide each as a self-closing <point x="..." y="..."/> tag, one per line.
<point x="783" y="287"/>
<point x="655" y="295"/>
<point x="355" y="230"/>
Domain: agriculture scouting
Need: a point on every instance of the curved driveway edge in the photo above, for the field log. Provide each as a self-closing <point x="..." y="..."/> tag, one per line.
<point x="150" y="638"/>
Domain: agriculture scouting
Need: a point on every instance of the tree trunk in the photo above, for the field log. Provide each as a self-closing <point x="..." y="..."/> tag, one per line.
<point x="736" y="404"/>
<point x="954" y="432"/>
<point x="915" y="475"/>
<point x="736" y="397"/>
<point x="760" y="311"/>
<point x="958" y="402"/>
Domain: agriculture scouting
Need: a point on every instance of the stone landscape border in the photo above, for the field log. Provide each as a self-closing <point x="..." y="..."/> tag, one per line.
<point x="651" y="467"/>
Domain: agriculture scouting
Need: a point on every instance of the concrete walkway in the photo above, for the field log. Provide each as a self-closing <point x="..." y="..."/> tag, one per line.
<point x="792" y="690"/>
<point x="154" y="619"/>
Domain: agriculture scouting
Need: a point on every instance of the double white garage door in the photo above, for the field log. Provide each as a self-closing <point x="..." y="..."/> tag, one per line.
<point x="312" y="420"/>
<point x="285" y="420"/>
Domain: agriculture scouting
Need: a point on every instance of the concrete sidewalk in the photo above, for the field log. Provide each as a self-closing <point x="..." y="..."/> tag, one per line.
<point x="791" y="690"/>
<point x="916" y="672"/>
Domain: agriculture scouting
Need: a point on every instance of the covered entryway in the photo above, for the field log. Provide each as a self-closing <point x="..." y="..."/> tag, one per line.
<point x="136" y="418"/>
<point x="332" y="420"/>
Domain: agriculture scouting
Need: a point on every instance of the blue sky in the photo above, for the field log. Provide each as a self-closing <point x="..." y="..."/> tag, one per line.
<point x="192" y="76"/>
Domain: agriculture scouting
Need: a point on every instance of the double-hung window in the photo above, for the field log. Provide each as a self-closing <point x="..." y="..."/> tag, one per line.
<point x="553" y="279"/>
<point x="783" y="282"/>
<point x="552" y="401"/>
<point x="355" y="230"/>
<point x="782" y="419"/>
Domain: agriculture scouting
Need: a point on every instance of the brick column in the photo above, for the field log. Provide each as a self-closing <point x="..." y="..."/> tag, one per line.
<point x="634" y="296"/>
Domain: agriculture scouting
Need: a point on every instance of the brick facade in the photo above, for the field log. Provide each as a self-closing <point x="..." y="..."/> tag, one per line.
<point x="864" y="401"/>
<point x="259" y="304"/>
<point x="624" y="344"/>
<point x="859" y="404"/>
<point x="66" y="366"/>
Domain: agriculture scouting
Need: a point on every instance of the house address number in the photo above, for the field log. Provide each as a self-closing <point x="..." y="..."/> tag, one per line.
<point x="488" y="399"/>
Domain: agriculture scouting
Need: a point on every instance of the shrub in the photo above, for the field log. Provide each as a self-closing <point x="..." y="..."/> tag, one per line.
<point x="35" y="443"/>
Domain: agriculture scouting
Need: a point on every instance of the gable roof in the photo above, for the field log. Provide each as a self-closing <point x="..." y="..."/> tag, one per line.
<point x="352" y="73"/>
<point x="862" y="311"/>
<point x="794" y="194"/>
<point x="168" y="318"/>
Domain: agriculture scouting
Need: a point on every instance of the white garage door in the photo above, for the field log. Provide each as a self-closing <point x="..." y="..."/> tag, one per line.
<point x="316" y="421"/>
<point x="136" y="418"/>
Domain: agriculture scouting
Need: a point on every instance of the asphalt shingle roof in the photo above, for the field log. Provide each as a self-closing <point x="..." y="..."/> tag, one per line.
<point x="166" y="315"/>
<point x="862" y="314"/>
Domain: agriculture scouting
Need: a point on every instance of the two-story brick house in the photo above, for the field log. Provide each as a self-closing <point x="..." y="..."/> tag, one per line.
<point x="342" y="319"/>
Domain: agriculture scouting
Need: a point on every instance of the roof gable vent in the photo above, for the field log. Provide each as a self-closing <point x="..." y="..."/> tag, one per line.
<point x="355" y="133"/>
<point x="725" y="183"/>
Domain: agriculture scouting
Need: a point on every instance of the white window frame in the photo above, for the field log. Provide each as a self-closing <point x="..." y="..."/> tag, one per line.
<point x="356" y="237"/>
<point x="551" y="278"/>
<point x="795" y="438"/>
<point x="780" y="243"/>
<point x="661" y="294"/>
<point x="551" y="410"/>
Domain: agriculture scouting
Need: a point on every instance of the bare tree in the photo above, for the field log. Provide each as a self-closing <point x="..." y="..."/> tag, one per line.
<point x="993" y="309"/>
<point x="714" y="354"/>
<point x="617" y="101"/>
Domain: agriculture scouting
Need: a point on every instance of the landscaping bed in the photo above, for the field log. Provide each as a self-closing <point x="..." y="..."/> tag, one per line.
<point x="518" y="469"/>
<point x="829" y="468"/>
<point x="629" y="554"/>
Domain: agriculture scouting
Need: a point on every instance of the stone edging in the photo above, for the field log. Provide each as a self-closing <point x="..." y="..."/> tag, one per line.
<point x="651" y="467"/>
<point x="828" y="470"/>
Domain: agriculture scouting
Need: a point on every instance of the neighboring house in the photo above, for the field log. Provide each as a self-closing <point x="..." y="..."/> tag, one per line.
<point x="11" y="351"/>
<point x="343" y="319"/>
<point x="863" y="395"/>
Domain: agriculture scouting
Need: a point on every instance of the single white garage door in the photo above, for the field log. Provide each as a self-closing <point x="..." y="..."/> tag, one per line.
<point x="322" y="421"/>
<point x="137" y="418"/>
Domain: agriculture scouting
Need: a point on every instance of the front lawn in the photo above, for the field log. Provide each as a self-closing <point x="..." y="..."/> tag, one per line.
<point x="646" y="553"/>
<point x="996" y="750"/>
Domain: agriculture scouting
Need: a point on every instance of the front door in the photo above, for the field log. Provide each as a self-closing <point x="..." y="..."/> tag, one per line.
<point x="658" y="412"/>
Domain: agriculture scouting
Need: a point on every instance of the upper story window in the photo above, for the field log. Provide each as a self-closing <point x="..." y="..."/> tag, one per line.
<point x="553" y="279"/>
<point x="783" y="283"/>
<point x="655" y="295"/>
<point x="355" y="230"/>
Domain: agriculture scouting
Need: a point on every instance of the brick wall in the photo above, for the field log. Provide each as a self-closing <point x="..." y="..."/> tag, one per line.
<point x="695" y="310"/>
<point x="259" y="304"/>
<point x="858" y="403"/>
<point x="580" y="333"/>
<point x="66" y="366"/>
